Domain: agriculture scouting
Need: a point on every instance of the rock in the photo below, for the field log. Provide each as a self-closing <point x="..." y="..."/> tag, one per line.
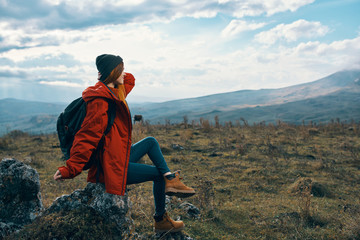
<point x="177" y="147"/>
<point x="214" y="154"/>
<point x="20" y="198"/>
<point x="113" y="209"/>
<point x="310" y="157"/>
<point x="191" y="210"/>
<point x="8" y="228"/>
<point x="92" y="214"/>
<point x="28" y="159"/>
<point x="173" y="203"/>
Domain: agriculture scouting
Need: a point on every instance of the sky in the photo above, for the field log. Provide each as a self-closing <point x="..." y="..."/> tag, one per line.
<point x="175" y="48"/>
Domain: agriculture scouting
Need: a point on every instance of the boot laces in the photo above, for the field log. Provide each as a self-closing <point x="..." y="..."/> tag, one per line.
<point x="178" y="174"/>
<point x="167" y="217"/>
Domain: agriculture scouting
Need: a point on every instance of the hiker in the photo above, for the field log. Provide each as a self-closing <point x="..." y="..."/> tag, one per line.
<point x="118" y="158"/>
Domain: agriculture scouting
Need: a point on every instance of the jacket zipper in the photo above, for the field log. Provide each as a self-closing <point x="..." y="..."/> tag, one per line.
<point x="127" y="147"/>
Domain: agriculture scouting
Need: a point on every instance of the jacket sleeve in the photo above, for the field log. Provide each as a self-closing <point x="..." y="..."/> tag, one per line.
<point x="129" y="83"/>
<point x="87" y="138"/>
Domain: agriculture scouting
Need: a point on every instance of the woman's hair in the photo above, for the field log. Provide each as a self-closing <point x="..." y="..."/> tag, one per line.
<point x="115" y="74"/>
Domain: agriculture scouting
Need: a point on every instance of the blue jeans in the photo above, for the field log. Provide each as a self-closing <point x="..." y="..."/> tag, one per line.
<point x="139" y="173"/>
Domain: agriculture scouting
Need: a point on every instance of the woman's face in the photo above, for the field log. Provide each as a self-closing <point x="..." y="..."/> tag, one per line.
<point x="120" y="80"/>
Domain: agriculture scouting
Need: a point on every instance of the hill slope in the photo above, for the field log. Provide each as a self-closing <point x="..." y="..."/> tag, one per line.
<point x="343" y="104"/>
<point x="28" y="116"/>
<point x="335" y="96"/>
<point x="253" y="105"/>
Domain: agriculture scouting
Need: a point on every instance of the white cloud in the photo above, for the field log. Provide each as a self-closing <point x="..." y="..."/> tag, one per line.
<point x="89" y="3"/>
<point x="61" y="83"/>
<point x="276" y="6"/>
<point x="67" y="14"/>
<point x="237" y="26"/>
<point x="27" y="38"/>
<point x="133" y="42"/>
<point x="339" y="54"/>
<point x="242" y="8"/>
<point x="204" y="14"/>
<point x="292" y="32"/>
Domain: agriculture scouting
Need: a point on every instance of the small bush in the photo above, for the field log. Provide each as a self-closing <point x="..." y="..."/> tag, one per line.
<point x="3" y="144"/>
<point x="205" y="124"/>
<point x="316" y="189"/>
<point x="17" y="134"/>
<point x="313" y="132"/>
<point x="205" y="195"/>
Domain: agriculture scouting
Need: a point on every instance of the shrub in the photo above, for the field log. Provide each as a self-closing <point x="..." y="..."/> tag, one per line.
<point x="17" y="134"/>
<point x="302" y="185"/>
<point x="205" y="124"/>
<point x="4" y="144"/>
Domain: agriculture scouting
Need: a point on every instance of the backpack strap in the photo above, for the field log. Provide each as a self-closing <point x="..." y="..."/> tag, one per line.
<point x="111" y="115"/>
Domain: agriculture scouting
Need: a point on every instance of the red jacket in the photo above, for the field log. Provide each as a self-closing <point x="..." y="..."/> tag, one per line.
<point x="117" y="143"/>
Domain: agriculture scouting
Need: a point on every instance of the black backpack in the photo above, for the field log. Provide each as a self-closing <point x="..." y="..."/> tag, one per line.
<point x="69" y="123"/>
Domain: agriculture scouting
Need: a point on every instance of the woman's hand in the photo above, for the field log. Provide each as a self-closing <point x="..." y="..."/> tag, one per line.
<point x="57" y="176"/>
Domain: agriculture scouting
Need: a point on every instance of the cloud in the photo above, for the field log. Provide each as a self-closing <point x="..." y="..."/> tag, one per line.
<point x="349" y="46"/>
<point x="12" y="73"/>
<point x="241" y="8"/>
<point x="186" y="72"/>
<point x="76" y="59"/>
<point x="49" y="60"/>
<point x="11" y="38"/>
<point x="61" y="83"/>
<point x="237" y="26"/>
<point x="342" y="54"/>
<point x="67" y="14"/>
<point x="54" y="54"/>
<point x="280" y="66"/>
<point x="71" y="14"/>
<point x="292" y="32"/>
<point x="276" y="6"/>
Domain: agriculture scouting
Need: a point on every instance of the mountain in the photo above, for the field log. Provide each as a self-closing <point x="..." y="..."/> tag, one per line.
<point x="335" y="96"/>
<point x="13" y="108"/>
<point x="344" y="105"/>
<point x="289" y="104"/>
<point x="28" y="116"/>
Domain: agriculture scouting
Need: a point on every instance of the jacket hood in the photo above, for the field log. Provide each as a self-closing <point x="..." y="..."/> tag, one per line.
<point x="98" y="90"/>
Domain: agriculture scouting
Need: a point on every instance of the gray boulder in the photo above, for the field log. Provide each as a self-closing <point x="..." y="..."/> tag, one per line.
<point x="20" y="198"/>
<point x="175" y="203"/>
<point x="114" y="209"/>
<point x="8" y="228"/>
<point x="190" y="209"/>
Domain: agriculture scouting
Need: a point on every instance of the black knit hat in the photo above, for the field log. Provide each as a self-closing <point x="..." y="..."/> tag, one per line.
<point x="105" y="63"/>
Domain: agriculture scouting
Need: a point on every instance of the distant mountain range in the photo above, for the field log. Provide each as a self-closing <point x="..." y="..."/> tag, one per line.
<point x="335" y="96"/>
<point x="28" y="116"/>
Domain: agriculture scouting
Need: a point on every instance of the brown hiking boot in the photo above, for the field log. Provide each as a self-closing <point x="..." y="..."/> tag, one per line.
<point x="175" y="187"/>
<point x="168" y="225"/>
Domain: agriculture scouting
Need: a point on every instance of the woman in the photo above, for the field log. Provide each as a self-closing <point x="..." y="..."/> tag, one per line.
<point x="119" y="158"/>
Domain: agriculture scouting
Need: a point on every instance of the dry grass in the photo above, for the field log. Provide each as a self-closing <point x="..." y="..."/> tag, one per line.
<point x="253" y="182"/>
